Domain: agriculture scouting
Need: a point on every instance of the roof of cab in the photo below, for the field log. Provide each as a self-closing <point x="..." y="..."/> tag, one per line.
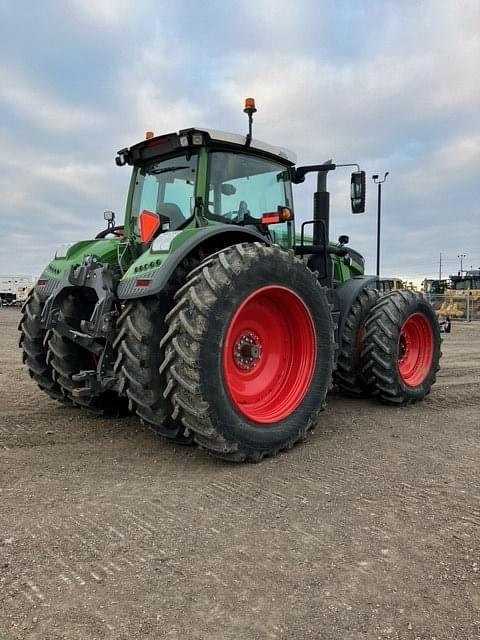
<point x="235" y="138"/>
<point x="164" y="144"/>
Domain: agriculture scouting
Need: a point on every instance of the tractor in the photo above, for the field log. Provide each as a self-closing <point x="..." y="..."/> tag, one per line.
<point x="210" y="316"/>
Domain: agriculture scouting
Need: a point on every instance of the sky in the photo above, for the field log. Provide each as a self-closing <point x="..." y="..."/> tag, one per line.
<point x="393" y="86"/>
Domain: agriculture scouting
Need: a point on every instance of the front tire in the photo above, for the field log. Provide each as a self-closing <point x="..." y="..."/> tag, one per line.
<point x="249" y="352"/>
<point x="401" y="348"/>
<point x="33" y="341"/>
<point x="67" y="359"/>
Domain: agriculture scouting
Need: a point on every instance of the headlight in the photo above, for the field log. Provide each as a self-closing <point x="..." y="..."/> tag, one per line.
<point x="163" y="241"/>
<point x="62" y="250"/>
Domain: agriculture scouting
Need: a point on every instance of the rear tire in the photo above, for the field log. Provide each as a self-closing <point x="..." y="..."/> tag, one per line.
<point x="140" y="329"/>
<point x="33" y="342"/>
<point x="243" y="387"/>
<point x="67" y="359"/>
<point x="401" y="348"/>
<point x="348" y="375"/>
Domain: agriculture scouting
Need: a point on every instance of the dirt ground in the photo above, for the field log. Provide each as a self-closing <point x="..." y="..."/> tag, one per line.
<point x="370" y="529"/>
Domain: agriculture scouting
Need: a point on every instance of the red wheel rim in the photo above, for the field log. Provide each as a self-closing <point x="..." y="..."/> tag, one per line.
<point x="269" y="354"/>
<point x="416" y="348"/>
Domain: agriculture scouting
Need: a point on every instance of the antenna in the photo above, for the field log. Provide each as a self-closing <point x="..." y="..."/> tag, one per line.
<point x="250" y="109"/>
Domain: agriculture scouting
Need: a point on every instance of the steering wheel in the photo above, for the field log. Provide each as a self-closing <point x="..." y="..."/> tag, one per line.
<point x="239" y="215"/>
<point x="118" y="231"/>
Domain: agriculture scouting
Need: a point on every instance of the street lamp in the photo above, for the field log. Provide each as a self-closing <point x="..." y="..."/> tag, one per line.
<point x="461" y="256"/>
<point x="379" y="213"/>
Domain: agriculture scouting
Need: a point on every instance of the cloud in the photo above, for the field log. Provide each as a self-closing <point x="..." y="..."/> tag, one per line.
<point x="459" y="157"/>
<point x="39" y="107"/>
<point x="387" y="85"/>
<point x="107" y="13"/>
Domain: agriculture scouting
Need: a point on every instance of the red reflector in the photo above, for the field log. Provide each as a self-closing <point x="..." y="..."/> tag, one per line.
<point x="154" y="142"/>
<point x="42" y="283"/>
<point x="149" y="225"/>
<point x="143" y="282"/>
<point x="270" y="218"/>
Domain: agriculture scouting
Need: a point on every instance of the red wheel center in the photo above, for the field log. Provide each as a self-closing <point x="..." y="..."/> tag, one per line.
<point x="269" y="354"/>
<point x="247" y="351"/>
<point x="415" y="350"/>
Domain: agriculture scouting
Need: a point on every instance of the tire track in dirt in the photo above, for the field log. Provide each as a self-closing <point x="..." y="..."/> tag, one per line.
<point x="371" y="526"/>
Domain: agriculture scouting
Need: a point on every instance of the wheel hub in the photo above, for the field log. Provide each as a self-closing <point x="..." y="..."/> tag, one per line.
<point x="247" y="351"/>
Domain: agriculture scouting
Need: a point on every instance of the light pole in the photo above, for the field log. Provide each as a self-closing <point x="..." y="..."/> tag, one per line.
<point x="379" y="214"/>
<point x="461" y="256"/>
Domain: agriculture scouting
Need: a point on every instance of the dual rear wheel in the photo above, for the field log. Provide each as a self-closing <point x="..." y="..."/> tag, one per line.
<point x="242" y="363"/>
<point x="390" y="347"/>
<point x="401" y="348"/>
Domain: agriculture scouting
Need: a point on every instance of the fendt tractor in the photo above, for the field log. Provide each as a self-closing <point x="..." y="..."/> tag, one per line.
<point x="210" y="316"/>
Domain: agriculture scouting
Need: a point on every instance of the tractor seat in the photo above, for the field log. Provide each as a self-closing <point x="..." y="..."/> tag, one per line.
<point x="173" y="212"/>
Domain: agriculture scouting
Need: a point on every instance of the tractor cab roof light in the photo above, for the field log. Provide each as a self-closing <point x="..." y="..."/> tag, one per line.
<point x="149" y="135"/>
<point x="122" y="158"/>
<point x="250" y="105"/>
<point x="184" y="141"/>
<point x="197" y="138"/>
<point x="250" y="109"/>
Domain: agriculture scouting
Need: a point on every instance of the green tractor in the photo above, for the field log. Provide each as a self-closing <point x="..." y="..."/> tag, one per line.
<point x="208" y="315"/>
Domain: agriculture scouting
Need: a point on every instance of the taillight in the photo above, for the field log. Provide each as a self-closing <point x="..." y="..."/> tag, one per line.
<point x="283" y="214"/>
<point x="142" y="282"/>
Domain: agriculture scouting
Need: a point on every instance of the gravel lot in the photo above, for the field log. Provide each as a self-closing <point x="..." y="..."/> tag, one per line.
<point x="370" y="529"/>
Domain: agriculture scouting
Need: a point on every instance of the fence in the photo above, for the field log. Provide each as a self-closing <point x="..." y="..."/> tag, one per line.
<point x="465" y="306"/>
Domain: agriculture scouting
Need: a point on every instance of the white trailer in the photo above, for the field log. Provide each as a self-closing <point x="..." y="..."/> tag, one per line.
<point x="14" y="288"/>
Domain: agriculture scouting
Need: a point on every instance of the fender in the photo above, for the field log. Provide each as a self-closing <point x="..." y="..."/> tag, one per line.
<point x="215" y="238"/>
<point x="346" y="294"/>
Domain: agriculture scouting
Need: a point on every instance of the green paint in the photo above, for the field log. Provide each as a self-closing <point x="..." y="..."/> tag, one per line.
<point x="106" y="250"/>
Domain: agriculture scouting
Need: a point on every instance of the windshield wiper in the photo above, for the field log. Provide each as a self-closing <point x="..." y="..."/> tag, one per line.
<point x="167" y="170"/>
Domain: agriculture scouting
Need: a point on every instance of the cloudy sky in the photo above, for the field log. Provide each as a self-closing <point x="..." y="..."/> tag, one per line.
<point x="391" y="85"/>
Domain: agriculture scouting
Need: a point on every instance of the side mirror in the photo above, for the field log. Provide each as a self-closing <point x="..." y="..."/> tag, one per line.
<point x="358" y="191"/>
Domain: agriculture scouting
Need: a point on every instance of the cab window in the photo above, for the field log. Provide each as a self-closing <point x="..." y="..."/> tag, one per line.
<point x="242" y="188"/>
<point x="165" y="187"/>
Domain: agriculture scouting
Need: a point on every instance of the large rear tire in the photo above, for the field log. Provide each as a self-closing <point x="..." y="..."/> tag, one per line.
<point x="67" y="359"/>
<point x="348" y="375"/>
<point x="140" y="329"/>
<point x="249" y="352"/>
<point x="401" y="348"/>
<point x="33" y="341"/>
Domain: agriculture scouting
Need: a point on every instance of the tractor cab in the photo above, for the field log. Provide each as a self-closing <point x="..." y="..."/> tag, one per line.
<point x="201" y="177"/>
<point x="205" y="179"/>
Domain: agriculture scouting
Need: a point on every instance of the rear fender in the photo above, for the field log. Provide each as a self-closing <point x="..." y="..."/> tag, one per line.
<point x="346" y="294"/>
<point x="210" y="239"/>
